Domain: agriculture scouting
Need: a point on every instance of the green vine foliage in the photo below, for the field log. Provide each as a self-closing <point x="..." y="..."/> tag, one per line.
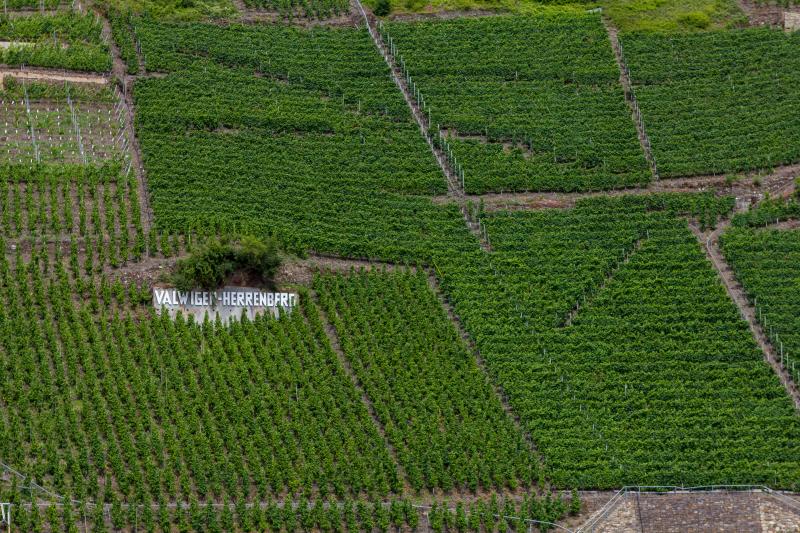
<point x="526" y="103"/>
<point x="65" y="40"/>
<point x="701" y="95"/>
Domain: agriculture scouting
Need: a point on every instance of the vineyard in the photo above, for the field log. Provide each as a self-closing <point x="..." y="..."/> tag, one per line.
<point x="765" y="261"/>
<point x="336" y="173"/>
<point x="718" y="102"/>
<point x="455" y="363"/>
<point x="621" y="371"/>
<point x="188" y="378"/>
<point x="340" y="64"/>
<point x="138" y="411"/>
<point x="123" y="36"/>
<point x="585" y="283"/>
<point x="64" y="40"/>
<point x="420" y="376"/>
<point x="526" y="103"/>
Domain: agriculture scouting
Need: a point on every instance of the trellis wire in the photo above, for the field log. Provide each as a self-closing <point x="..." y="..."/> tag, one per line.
<point x="30" y="122"/>
<point x="788" y="363"/>
<point x="637" y="113"/>
<point x="439" y="138"/>
<point x="76" y="126"/>
<point x="62" y="501"/>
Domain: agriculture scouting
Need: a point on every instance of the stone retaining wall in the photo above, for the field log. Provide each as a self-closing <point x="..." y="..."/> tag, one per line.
<point x="719" y="512"/>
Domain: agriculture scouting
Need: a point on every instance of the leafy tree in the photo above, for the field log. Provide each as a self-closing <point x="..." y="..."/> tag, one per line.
<point x="217" y="259"/>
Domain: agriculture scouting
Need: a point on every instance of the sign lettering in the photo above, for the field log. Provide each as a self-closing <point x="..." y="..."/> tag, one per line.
<point x="227" y="304"/>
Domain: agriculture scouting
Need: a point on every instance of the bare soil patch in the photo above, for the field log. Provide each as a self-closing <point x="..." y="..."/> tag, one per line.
<point x="254" y="15"/>
<point x="30" y="73"/>
<point x="301" y="271"/>
<point x="146" y="272"/>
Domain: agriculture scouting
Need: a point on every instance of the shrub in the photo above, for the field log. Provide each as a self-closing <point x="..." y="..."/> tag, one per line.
<point x="218" y="259"/>
<point x="695" y="19"/>
<point x="383" y="8"/>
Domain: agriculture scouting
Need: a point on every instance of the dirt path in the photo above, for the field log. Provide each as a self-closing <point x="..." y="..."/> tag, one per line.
<point x="333" y="338"/>
<point x="447" y="15"/>
<point x="630" y="96"/>
<point x="255" y="15"/>
<point x="455" y="190"/>
<point x="710" y="241"/>
<point x="781" y="226"/>
<point x="118" y="69"/>
<point x="748" y="190"/>
<point x="301" y="271"/>
<point x="33" y="73"/>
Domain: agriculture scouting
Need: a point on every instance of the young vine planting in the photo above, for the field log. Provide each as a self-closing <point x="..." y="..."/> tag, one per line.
<point x="100" y="405"/>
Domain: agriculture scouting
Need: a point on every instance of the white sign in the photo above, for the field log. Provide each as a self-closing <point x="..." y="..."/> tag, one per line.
<point x="227" y="304"/>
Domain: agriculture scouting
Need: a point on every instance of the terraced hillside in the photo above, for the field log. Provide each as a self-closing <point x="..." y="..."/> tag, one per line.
<point x="764" y="259"/>
<point x="465" y="356"/>
<point x="324" y="143"/>
<point x="618" y="348"/>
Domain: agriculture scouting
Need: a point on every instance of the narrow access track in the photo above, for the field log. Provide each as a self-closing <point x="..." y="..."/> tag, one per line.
<point x="751" y="188"/>
<point x="455" y="192"/>
<point x="630" y="96"/>
<point x="118" y="70"/>
<point x="453" y="186"/>
<point x="71" y="76"/>
<point x="333" y="339"/>
<point x="710" y="242"/>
